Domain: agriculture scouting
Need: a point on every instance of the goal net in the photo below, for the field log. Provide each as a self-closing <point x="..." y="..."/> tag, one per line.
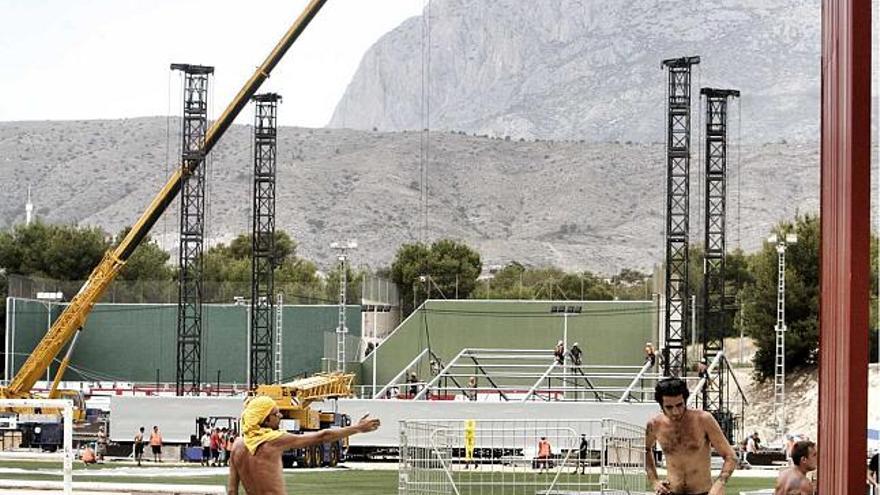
<point x="529" y="457"/>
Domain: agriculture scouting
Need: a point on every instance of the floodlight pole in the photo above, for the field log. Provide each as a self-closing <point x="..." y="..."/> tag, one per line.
<point x="342" y="329"/>
<point x="782" y="243"/>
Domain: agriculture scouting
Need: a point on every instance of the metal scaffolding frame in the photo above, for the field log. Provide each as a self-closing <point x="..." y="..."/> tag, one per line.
<point x="678" y="157"/>
<point x="262" y="308"/>
<point x="192" y="228"/>
<point x="522" y="375"/>
<point x="716" y="317"/>
<point x="731" y="418"/>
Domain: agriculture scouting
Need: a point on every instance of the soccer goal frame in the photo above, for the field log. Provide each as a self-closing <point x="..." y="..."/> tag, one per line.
<point x="505" y="457"/>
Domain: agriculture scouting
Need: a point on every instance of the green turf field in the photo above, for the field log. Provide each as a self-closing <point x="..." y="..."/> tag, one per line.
<point x="330" y="482"/>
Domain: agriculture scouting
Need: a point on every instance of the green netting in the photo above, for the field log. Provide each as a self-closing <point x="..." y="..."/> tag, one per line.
<point x="129" y="342"/>
<point x="609" y="332"/>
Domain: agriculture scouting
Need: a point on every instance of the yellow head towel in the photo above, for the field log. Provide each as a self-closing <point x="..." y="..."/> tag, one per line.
<point x="255" y="412"/>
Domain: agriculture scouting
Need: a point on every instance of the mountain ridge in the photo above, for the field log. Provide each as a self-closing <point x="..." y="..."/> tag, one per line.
<point x="569" y="204"/>
<point x="579" y="69"/>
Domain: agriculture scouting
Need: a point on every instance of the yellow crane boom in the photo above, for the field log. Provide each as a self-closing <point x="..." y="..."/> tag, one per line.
<point x="76" y="313"/>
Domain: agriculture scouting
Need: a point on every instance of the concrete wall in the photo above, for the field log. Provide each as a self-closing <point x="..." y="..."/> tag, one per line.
<point x="176" y="416"/>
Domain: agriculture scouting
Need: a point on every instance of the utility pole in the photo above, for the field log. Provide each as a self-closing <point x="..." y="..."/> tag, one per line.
<point x="779" y="368"/>
<point x="342" y="329"/>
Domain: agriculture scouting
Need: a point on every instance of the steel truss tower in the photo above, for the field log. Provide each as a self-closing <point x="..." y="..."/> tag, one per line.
<point x="678" y="158"/>
<point x="192" y="228"/>
<point x="716" y="317"/>
<point x="262" y="313"/>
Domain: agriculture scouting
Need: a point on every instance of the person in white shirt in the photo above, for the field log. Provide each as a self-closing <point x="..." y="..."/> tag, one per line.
<point x="206" y="448"/>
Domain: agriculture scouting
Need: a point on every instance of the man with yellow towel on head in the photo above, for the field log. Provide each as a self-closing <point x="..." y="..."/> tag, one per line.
<point x="256" y="456"/>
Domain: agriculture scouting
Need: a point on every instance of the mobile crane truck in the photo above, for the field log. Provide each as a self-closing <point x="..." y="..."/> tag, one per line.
<point x="295" y="401"/>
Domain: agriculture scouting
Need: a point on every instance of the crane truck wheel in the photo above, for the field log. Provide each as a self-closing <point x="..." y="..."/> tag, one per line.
<point x="334" y="454"/>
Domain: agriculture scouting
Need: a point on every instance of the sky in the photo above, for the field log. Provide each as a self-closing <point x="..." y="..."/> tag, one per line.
<point x="109" y="59"/>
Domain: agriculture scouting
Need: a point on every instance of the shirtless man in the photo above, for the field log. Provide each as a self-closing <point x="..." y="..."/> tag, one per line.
<point x="255" y="459"/>
<point x="793" y="481"/>
<point x="685" y="436"/>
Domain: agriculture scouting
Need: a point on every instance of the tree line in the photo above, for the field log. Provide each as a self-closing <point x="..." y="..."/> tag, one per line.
<point x="449" y="269"/>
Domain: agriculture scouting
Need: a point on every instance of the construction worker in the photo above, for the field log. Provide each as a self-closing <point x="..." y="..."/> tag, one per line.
<point x="559" y="352"/>
<point x="87" y="455"/>
<point x="206" y="447"/>
<point x="215" y="446"/>
<point x="101" y="447"/>
<point x="583" y="453"/>
<point x="139" y="445"/>
<point x="156" y="444"/>
<point x="413" y="381"/>
<point x="576" y="354"/>
<point x="650" y="354"/>
<point x="471" y="391"/>
<point x="544" y="453"/>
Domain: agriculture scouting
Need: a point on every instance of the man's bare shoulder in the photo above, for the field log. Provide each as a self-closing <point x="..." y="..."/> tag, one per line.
<point x="792" y="481"/>
<point x="705" y="418"/>
<point x="656" y="420"/>
<point x="280" y="442"/>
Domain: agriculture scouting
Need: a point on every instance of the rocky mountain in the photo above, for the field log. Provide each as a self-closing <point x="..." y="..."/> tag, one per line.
<point x="588" y="69"/>
<point x="571" y="204"/>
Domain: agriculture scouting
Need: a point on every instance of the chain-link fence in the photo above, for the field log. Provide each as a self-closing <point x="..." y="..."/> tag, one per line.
<point x="379" y="291"/>
<point x="354" y="349"/>
<point x="164" y="291"/>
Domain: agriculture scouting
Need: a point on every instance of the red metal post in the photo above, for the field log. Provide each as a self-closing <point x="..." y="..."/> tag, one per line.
<point x="845" y="266"/>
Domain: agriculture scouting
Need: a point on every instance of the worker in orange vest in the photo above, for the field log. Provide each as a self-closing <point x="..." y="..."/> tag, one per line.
<point x="156" y="444"/>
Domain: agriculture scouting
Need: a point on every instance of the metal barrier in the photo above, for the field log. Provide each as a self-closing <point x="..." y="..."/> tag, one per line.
<point x="523" y="375"/>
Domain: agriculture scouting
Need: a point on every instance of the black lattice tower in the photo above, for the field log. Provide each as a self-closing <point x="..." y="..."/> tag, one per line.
<point x="716" y="318"/>
<point x="263" y="239"/>
<point x="192" y="228"/>
<point x="678" y="158"/>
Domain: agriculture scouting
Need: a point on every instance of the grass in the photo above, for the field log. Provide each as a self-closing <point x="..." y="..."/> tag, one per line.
<point x="337" y="482"/>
